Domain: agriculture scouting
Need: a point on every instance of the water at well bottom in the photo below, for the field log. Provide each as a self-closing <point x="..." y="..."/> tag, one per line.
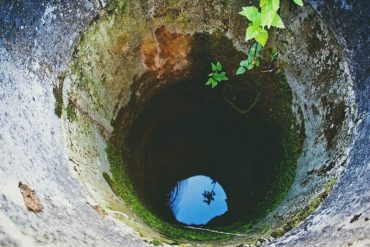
<point x="197" y="200"/>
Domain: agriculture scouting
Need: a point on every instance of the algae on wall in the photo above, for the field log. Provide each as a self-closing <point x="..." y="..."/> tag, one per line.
<point x="110" y="58"/>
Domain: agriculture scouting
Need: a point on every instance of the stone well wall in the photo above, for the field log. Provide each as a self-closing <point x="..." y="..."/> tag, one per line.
<point x="46" y="48"/>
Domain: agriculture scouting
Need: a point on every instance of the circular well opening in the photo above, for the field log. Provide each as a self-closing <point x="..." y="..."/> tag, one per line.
<point x="139" y="88"/>
<point x="190" y="130"/>
<point x="234" y="148"/>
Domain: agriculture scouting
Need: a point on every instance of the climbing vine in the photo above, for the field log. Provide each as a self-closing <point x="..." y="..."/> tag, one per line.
<point x="217" y="75"/>
<point x="252" y="61"/>
<point x="260" y="21"/>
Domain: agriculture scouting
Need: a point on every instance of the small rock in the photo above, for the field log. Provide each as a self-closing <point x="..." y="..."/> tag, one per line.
<point x="30" y="198"/>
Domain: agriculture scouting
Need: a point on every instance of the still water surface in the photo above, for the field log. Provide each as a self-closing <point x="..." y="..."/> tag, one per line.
<point x="197" y="200"/>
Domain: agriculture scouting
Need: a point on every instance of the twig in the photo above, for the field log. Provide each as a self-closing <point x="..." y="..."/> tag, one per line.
<point x="241" y="111"/>
<point x="117" y="212"/>
<point x="214" y="231"/>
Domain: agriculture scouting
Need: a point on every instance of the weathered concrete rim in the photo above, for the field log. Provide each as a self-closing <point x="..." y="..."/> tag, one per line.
<point x="40" y="71"/>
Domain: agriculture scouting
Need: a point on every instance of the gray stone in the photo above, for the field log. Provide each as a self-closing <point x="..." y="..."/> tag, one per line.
<point x="36" y="147"/>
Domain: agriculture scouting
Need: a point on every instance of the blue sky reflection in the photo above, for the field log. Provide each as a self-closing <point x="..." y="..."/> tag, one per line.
<point x="197" y="200"/>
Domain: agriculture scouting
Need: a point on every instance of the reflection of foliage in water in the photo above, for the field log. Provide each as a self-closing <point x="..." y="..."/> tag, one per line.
<point x="209" y="195"/>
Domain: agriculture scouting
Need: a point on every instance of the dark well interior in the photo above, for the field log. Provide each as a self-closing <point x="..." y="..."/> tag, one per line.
<point x="242" y="134"/>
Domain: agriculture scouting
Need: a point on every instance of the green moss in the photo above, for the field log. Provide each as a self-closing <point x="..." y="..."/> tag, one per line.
<point x="108" y="179"/>
<point x="278" y="112"/>
<point x="306" y="211"/>
<point x="71" y="111"/>
<point x="98" y="61"/>
<point x="121" y="186"/>
<point x="59" y="102"/>
<point x="94" y="60"/>
<point x="283" y="118"/>
<point x="58" y="95"/>
<point x="89" y="78"/>
<point x="155" y="242"/>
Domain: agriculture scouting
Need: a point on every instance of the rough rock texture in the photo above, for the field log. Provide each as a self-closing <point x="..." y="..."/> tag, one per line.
<point x="335" y="224"/>
<point x="37" y="40"/>
<point x="36" y="44"/>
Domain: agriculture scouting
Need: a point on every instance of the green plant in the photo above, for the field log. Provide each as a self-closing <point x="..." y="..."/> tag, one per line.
<point x="252" y="60"/>
<point x="260" y="21"/>
<point x="121" y="186"/>
<point x="216" y="76"/>
<point x="298" y="2"/>
<point x="299" y="217"/>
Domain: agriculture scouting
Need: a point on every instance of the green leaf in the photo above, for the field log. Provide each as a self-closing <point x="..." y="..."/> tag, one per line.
<point x="220" y="77"/>
<point x="240" y="71"/>
<point x="250" y="12"/>
<point x="219" y="66"/>
<point x="250" y="66"/>
<point x="262" y="37"/>
<point x="244" y="63"/>
<point x="267" y="15"/>
<point x="257" y="63"/>
<point x="257" y="22"/>
<point x="223" y="77"/>
<point x="298" y="2"/>
<point x="214" y="83"/>
<point x="263" y="3"/>
<point x="217" y="77"/>
<point x="214" y="67"/>
<point x="211" y="81"/>
<point x="251" y="33"/>
<point x="275" y="5"/>
<point x="277" y="22"/>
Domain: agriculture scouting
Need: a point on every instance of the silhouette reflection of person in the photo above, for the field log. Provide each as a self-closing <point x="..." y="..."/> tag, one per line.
<point x="208" y="196"/>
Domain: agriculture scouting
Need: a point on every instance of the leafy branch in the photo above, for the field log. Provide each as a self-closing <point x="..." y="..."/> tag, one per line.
<point x="216" y="76"/>
<point x="260" y="21"/>
<point x="252" y="60"/>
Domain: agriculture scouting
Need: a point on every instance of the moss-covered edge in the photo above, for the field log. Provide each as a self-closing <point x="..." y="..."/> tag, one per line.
<point x="284" y="118"/>
<point x="306" y="211"/>
<point x="70" y="109"/>
<point x="121" y="186"/>
<point x="292" y="141"/>
<point x="58" y="95"/>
